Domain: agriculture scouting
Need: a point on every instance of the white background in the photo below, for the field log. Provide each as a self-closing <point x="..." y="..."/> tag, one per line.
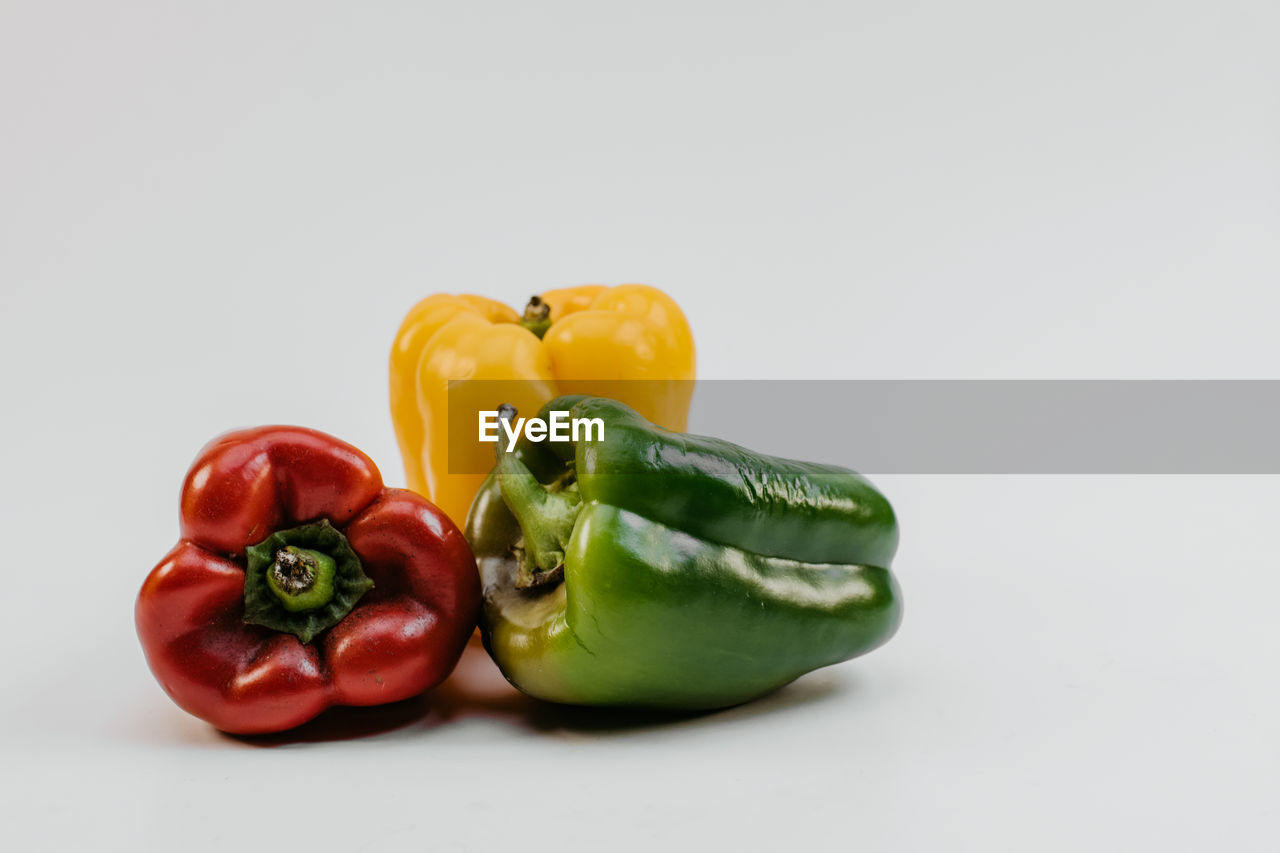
<point x="215" y="215"/>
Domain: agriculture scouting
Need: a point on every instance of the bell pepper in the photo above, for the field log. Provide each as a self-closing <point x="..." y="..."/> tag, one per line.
<point x="300" y="582"/>
<point x="569" y="341"/>
<point x="651" y="568"/>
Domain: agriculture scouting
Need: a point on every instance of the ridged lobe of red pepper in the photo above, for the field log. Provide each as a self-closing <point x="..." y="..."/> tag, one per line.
<point x="426" y="592"/>
<point x="248" y="483"/>
<point x="241" y="678"/>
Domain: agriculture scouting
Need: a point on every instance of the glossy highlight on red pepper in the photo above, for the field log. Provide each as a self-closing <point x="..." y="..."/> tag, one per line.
<point x="393" y="639"/>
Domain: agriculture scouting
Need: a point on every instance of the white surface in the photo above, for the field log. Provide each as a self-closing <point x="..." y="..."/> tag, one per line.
<point x="920" y="190"/>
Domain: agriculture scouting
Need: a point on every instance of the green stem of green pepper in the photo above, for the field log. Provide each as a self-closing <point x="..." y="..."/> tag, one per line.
<point x="537" y="316"/>
<point x="546" y="517"/>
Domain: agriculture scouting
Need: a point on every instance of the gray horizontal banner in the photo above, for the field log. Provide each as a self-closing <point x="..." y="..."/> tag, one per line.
<point x="966" y="427"/>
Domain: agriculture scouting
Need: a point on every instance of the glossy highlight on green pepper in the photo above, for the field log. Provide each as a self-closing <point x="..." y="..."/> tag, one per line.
<point x="666" y="570"/>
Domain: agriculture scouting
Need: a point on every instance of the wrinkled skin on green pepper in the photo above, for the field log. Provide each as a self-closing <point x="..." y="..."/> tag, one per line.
<point x="664" y="570"/>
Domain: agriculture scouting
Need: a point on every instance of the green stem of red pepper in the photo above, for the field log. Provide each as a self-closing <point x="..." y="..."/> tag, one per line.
<point x="303" y="580"/>
<point x="546" y="516"/>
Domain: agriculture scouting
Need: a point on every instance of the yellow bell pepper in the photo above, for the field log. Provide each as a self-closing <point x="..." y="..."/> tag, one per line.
<point x="577" y="340"/>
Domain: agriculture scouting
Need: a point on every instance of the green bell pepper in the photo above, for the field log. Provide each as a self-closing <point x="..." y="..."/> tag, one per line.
<point x="664" y="570"/>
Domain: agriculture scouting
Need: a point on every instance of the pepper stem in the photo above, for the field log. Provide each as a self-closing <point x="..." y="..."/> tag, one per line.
<point x="537" y="316"/>
<point x="546" y="517"/>
<point x="301" y="579"/>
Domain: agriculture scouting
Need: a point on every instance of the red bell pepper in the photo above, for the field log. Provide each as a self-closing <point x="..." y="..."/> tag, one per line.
<point x="299" y="583"/>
